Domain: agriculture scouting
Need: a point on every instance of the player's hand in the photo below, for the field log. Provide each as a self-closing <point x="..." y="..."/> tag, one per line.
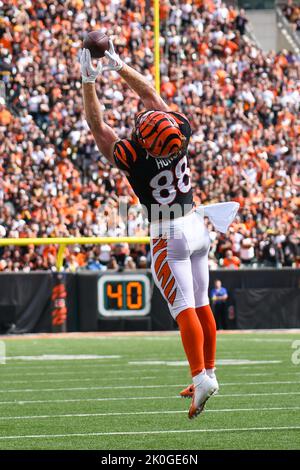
<point x="88" y="72"/>
<point x="115" y="63"/>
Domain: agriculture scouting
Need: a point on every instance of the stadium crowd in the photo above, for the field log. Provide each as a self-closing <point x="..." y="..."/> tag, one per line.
<point x="243" y="106"/>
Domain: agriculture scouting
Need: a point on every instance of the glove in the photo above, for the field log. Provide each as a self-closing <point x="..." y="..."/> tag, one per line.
<point x="115" y="63"/>
<point x="88" y="72"/>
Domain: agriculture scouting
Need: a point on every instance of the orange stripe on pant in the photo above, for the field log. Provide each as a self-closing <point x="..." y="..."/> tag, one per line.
<point x="163" y="271"/>
<point x="164" y="274"/>
<point x="158" y="244"/>
<point x="159" y="260"/>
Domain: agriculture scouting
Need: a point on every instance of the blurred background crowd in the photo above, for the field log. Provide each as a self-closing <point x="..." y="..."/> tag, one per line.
<point x="291" y="11"/>
<point x="243" y="106"/>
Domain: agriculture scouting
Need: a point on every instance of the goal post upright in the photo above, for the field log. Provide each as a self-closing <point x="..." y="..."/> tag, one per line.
<point x="157" y="46"/>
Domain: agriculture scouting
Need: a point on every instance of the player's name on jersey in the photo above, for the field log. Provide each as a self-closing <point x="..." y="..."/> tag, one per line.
<point x="162" y="162"/>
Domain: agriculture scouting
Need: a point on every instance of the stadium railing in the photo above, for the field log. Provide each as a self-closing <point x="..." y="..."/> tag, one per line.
<point x="291" y="36"/>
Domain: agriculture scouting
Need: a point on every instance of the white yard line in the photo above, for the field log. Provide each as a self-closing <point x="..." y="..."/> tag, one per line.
<point x="222" y="362"/>
<point x="28" y="365"/>
<point x="168" y="397"/>
<point x="258" y="340"/>
<point x="62" y="357"/>
<point x="279" y="382"/>
<point x="12" y="368"/>
<point x="74" y="372"/>
<point x="125" y="387"/>
<point x="30" y="361"/>
<point x="169" y="376"/>
<point x="90" y="379"/>
<point x="231" y="334"/>
<point x="256" y="367"/>
<point x="137" y="433"/>
<point x="134" y="413"/>
<point x="263" y="374"/>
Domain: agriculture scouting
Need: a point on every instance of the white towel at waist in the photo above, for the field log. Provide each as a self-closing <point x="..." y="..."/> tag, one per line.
<point x="221" y="215"/>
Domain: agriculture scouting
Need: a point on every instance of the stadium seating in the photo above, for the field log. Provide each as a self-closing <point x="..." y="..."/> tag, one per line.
<point x="243" y="106"/>
<point x="291" y="11"/>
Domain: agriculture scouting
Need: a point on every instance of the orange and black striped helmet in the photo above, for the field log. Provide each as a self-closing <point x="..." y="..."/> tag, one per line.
<point x="158" y="133"/>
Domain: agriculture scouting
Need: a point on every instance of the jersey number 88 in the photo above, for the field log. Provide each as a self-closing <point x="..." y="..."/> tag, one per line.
<point x="164" y="186"/>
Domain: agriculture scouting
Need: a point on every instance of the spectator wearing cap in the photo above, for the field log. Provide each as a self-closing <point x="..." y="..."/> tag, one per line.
<point x="142" y="262"/>
<point x="104" y="254"/>
<point x="129" y="264"/>
<point x="247" y="253"/>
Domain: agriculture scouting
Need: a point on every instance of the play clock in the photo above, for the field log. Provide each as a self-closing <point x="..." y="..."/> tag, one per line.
<point x="122" y="294"/>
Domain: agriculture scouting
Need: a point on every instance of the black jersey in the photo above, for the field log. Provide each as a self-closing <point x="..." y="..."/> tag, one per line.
<point x="159" y="183"/>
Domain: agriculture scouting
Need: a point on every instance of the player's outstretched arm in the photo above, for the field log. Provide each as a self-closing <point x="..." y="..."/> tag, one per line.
<point x="144" y="89"/>
<point x="136" y="81"/>
<point x="104" y="135"/>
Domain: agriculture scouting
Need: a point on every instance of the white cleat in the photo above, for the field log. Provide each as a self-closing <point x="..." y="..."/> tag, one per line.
<point x="211" y="374"/>
<point x="204" y="389"/>
<point x="216" y="384"/>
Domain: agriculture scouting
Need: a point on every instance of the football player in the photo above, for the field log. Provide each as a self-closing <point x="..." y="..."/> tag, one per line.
<point x="155" y="161"/>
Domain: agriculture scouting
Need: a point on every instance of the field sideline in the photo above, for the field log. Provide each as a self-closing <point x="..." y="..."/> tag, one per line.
<point x="120" y="391"/>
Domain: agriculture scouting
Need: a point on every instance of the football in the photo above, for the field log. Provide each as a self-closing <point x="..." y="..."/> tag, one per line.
<point x="97" y="43"/>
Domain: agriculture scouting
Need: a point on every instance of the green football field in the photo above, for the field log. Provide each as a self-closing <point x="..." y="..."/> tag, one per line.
<point x="121" y="392"/>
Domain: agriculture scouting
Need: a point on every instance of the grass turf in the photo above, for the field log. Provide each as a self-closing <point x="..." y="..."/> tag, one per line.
<point x="126" y="403"/>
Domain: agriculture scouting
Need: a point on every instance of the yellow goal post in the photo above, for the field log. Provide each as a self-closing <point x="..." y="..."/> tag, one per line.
<point x="157" y="46"/>
<point x="63" y="242"/>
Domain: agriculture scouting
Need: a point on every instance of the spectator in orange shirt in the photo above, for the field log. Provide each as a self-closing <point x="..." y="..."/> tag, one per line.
<point x="231" y="261"/>
<point x="5" y="115"/>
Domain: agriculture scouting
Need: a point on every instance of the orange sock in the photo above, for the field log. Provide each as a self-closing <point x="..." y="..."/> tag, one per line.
<point x="192" y="339"/>
<point x="208" y="324"/>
